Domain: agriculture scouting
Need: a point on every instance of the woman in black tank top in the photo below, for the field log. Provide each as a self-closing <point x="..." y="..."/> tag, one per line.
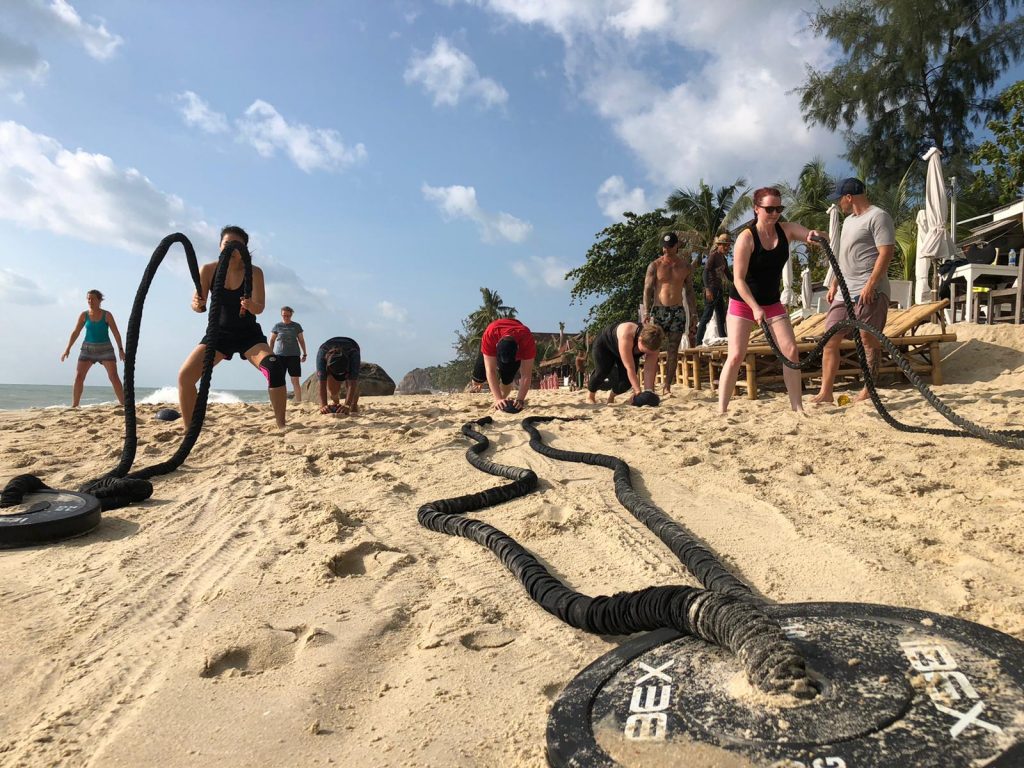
<point x="616" y="351"/>
<point x="238" y="331"/>
<point x="760" y="255"/>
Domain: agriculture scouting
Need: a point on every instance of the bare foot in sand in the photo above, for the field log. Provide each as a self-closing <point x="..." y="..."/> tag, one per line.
<point x="862" y="396"/>
<point x="822" y="399"/>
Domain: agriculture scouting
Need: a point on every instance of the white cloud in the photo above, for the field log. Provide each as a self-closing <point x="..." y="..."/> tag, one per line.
<point x="98" y="41"/>
<point x="614" y="199"/>
<point x="198" y="113"/>
<point x="729" y="110"/>
<point x="459" y="202"/>
<point x="16" y="288"/>
<point x="450" y="76"/>
<point x="309" y="148"/>
<point x="537" y="271"/>
<point x="82" y="194"/>
<point x="20" y="60"/>
<point x="60" y="17"/>
<point x="391" y="311"/>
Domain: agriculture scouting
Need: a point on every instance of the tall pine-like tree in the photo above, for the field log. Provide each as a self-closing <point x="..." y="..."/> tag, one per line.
<point x="913" y="73"/>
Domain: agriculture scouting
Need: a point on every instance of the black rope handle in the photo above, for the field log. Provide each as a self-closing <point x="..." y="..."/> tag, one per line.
<point x="1008" y="438"/>
<point x="770" y="659"/>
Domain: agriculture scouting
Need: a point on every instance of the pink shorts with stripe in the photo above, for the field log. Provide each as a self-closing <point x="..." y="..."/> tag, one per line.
<point x="740" y="309"/>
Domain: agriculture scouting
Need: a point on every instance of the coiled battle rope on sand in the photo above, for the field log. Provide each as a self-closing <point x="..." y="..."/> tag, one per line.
<point x="769" y="658"/>
<point x="1008" y="438"/>
<point x="120" y="487"/>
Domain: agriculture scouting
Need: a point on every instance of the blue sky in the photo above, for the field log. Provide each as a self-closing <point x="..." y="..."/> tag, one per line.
<point x="387" y="157"/>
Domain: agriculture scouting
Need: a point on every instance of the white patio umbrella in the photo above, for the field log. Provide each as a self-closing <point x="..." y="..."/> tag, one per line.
<point x="833" y="239"/>
<point x="806" y="292"/>
<point x="788" y="297"/>
<point x="933" y="240"/>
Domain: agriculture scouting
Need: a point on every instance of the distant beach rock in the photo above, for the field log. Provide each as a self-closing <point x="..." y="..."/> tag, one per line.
<point x="373" y="381"/>
<point x="416" y="382"/>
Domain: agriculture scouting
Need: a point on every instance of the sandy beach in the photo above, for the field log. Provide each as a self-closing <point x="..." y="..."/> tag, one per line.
<point x="276" y="602"/>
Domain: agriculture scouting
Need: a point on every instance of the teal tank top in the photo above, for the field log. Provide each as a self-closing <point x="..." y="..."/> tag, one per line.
<point x="97" y="332"/>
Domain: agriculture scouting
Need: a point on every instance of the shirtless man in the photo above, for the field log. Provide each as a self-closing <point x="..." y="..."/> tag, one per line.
<point x="669" y="279"/>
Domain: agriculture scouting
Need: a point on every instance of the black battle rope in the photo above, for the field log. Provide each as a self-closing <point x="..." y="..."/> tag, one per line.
<point x="769" y="658"/>
<point x="118" y="487"/>
<point x="1008" y="438"/>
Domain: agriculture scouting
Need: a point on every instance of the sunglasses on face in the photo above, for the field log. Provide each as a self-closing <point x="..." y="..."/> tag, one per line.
<point x="772" y="208"/>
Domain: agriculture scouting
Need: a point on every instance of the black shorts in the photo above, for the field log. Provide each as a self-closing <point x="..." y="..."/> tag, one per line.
<point x="294" y="363"/>
<point x="231" y="341"/>
<point x="506" y="371"/>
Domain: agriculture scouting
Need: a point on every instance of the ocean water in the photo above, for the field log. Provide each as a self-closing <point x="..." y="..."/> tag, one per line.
<point x="16" y="397"/>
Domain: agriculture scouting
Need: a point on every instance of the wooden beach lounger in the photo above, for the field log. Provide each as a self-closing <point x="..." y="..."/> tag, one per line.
<point x="702" y="365"/>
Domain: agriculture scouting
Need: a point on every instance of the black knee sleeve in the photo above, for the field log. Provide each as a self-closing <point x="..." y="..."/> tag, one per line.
<point x="274" y="368"/>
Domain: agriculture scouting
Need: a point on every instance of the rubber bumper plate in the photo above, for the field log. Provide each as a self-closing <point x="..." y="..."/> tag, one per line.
<point x="48" y="515"/>
<point x="900" y="688"/>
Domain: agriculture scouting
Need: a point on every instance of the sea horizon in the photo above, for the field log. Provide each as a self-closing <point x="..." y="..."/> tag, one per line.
<point x="19" y="397"/>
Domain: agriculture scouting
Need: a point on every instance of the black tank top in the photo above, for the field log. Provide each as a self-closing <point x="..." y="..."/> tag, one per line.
<point x="764" y="274"/>
<point x="608" y="338"/>
<point x="230" y="304"/>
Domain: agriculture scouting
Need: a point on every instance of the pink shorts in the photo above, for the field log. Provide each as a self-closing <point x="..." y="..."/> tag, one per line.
<point x="740" y="309"/>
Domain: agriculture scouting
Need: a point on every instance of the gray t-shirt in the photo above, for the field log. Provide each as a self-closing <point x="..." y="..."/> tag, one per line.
<point x="859" y="241"/>
<point x="287" y="342"/>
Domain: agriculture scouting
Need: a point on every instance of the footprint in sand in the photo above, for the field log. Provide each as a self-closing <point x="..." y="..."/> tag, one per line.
<point x="488" y="637"/>
<point x="370" y="558"/>
<point x="265" y="648"/>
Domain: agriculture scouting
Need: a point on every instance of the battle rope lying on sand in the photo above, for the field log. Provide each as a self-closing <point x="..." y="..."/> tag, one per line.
<point x="769" y="658"/>
<point x="119" y="487"/>
<point x="1008" y="438"/>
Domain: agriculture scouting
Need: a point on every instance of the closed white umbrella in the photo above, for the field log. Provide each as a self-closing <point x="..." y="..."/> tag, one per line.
<point x="936" y="243"/>
<point x="806" y="292"/>
<point x="788" y="297"/>
<point x="833" y="239"/>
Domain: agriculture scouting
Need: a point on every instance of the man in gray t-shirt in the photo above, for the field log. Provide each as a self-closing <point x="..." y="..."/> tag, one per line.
<point x="865" y="248"/>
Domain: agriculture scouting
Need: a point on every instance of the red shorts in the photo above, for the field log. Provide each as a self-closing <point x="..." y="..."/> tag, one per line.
<point x="740" y="309"/>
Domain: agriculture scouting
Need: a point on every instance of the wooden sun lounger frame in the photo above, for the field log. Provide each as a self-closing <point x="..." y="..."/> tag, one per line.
<point x="760" y="367"/>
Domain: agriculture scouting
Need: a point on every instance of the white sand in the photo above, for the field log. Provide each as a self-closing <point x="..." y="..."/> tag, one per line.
<point x="276" y="602"/>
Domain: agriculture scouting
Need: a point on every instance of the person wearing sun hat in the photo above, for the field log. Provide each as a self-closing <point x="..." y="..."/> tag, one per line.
<point x="866" y="242"/>
<point x="507" y="347"/>
<point x="716" y="269"/>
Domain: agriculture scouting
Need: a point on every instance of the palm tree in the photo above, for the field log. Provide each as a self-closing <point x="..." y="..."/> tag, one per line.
<point x="807" y="202"/>
<point x="706" y="211"/>
<point x="473" y="327"/>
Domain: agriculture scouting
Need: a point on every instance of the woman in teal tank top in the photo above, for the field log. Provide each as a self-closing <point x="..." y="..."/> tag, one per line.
<point x="96" y="348"/>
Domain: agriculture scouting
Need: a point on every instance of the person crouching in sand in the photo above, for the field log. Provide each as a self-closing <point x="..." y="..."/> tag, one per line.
<point x="616" y="352"/>
<point x="338" y="359"/>
<point x="507" y="347"/>
<point x="238" y="331"/>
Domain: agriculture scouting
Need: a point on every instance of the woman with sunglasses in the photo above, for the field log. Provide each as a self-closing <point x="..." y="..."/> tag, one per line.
<point x="759" y="256"/>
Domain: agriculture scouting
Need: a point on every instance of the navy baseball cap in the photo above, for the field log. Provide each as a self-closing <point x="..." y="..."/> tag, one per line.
<point x="337" y="364"/>
<point x="847" y="187"/>
<point x="669" y="240"/>
<point x="507" y="349"/>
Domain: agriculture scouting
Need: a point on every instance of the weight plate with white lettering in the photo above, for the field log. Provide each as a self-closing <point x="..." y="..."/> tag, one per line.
<point x="48" y="515"/>
<point x="899" y="688"/>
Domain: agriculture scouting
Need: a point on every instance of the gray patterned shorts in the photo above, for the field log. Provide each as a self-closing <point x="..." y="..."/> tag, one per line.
<point x="96" y="353"/>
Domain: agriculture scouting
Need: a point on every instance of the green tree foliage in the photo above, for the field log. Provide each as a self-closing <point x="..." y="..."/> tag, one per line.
<point x="912" y="71"/>
<point x="706" y="211"/>
<point x="492" y="308"/>
<point x="615" y="268"/>
<point x="807" y="203"/>
<point x="1002" y="158"/>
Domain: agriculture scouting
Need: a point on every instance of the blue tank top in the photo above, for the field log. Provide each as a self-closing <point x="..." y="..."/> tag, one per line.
<point x="97" y="332"/>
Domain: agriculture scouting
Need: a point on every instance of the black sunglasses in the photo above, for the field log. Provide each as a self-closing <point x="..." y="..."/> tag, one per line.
<point x="772" y="208"/>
